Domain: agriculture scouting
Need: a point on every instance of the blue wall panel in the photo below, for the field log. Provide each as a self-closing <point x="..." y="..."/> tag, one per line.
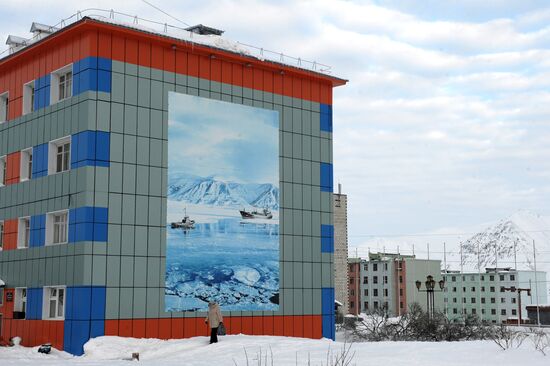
<point x="92" y="74"/>
<point x="326" y="177"/>
<point x="34" y="303"/>
<point x="328" y="313"/>
<point x="90" y="148"/>
<point x="88" y="224"/>
<point x="84" y="316"/>
<point x="40" y="161"/>
<point x="327" y="238"/>
<point x="37" y="231"/>
<point x="326" y="117"/>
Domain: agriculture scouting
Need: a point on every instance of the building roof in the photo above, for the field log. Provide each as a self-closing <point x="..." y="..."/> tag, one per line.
<point x="215" y="43"/>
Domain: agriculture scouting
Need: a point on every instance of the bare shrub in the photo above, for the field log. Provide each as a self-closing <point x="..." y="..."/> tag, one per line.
<point x="540" y="339"/>
<point x="506" y="337"/>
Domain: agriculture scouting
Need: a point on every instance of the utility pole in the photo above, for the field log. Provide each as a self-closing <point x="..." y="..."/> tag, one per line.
<point x="519" y="291"/>
<point x="536" y="282"/>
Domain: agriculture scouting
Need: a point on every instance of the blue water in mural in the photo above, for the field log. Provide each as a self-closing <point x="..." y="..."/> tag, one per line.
<point x="233" y="262"/>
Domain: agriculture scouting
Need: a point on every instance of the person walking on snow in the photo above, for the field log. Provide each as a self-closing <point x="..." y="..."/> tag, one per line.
<point x="215" y="318"/>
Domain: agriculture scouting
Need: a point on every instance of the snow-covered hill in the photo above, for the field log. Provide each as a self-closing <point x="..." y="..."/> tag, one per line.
<point x="209" y="191"/>
<point x="516" y="231"/>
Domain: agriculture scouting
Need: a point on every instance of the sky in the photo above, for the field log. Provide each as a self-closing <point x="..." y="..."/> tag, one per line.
<point x="231" y="142"/>
<point x="445" y="120"/>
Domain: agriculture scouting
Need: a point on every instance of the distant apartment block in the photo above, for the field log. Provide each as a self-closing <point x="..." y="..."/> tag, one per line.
<point x="340" y="211"/>
<point x="484" y="294"/>
<point x="386" y="282"/>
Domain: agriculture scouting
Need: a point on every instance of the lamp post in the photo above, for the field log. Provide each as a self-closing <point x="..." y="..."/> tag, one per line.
<point x="430" y="290"/>
<point x="519" y="291"/>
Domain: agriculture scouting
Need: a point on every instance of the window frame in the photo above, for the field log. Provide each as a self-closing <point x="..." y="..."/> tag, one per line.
<point x="50" y="227"/>
<point x="2" y="228"/>
<point x="52" y="155"/>
<point x="4" y="107"/>
<point x="46" y="305"/>
<point x="26" y="163"/>
<point x="3" y="170"/>
<point x="17" y="300"/>
<point x="55" y="84"/>
<point x="23" y="231"/>
<point x="29" y="95"/>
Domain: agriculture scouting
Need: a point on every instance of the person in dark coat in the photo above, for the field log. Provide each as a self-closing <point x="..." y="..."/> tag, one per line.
<point x="214" y="318"/>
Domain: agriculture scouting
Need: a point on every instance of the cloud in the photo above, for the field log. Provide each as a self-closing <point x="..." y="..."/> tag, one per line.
<point x="445" y="119"/>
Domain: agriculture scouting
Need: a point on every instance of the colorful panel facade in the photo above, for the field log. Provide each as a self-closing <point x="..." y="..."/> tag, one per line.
<point x="100" y="171"/>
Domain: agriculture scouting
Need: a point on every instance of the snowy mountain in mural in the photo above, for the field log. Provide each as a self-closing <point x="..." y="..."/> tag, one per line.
<point x="210" y="191"/>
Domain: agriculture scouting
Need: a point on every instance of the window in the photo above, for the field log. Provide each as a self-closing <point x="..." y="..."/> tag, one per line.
<point x="400" y="292"/>
<point x="386" y="292"/>
<point x="455" y="311"/>
<point x="492" y="289"/>
<point x="4" y="103"/>
<point x="376" y="304"/>
<point x="482" y="288"/>
<point x="366" y="267"/>
<point x="352" y="292"/>
<point x="453" y="278"/>
<point x="473" y="300"/>
<point x="375" y="279"/>
<point x="400" y="279"/>
<point x="20" y="299"/>
<point x="28" y="97"/>
<point x="61" y="84"/>
<point x="514" y="312"/>
<point x="26" y="164"/>
<point x="386" y="306"/>
<point x="375" y="292"/>
<point x="1" y="235"/>
<point x="502" y="277"/>
<point x="366" y="292"/>
<point x="401" y="305"/>
<point x="366" y="280"/>
<point x="464" y="289"/>
<point x="502" y="311"/>
<point x="351" y="280"/>
<point x="375" y="267"/>
<point x="385" y="279"/>
<point x="483" y="300"/>
<point x="3" y="171"/>
<point x="513" y="300"/>
<point x="502" y="289"/>
<point x="493" y="312"/>
<point x="454" y="300"/>
<point x="472" y="278"/>
<point x="454" y="289"/>
<point x="473" y="289"/>
<point x="24" y="232"/>
<point x="385" y="266"/>
<point x="482" y="278"/>
<point x="491" y="278"/>
<point x="493" y="300"/>
<point x="464" y="300"/>
<point x="59" y="155"/>
<point x="54" y="302"/>
<point x="352" y="304"/>
<point x="512" y="277"/>
<point x="351" y="269"/>
<point x="366" y="305"/>
<point x="482" y="311"/>
<point x="502" y="300"/>
<point x="57" y="228"/>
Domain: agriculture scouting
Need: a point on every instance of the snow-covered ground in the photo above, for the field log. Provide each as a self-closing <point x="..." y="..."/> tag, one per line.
<point x="286" y="351"/>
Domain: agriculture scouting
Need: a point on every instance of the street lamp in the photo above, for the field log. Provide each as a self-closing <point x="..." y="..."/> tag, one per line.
<point x="430" y="290"/>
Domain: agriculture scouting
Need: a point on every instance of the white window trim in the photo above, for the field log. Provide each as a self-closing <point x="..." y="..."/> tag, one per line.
<point x="4" y="107"/>
<point x="21" y="230"/>
<point x="28" y="105"/>
<point x="54" y="83"/>
<point x="2" y="235"/>
<point x="3" y="169"/>
<point x="52" y="154"/>
<point x="50" y="227"/>
<point x="46" y="303"/>
<point x="24" y="166"/>
<point x="17" y="301"/>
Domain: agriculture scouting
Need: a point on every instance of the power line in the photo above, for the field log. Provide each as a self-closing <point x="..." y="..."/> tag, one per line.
<point x="165" y="13"/>
<point x="431" y="235"/>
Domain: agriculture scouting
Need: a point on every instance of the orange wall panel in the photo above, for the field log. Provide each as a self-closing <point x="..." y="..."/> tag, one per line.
<point x="278" y="325"/>
<point x="181" y="62"/>
<point x="177" y="328"/>
<point x="236" y="325"/>
<point x="125" y="328"/>
<point x="138" y="328"/>
<point x="104" y="45"/>
<point x="189" y="328"/>
<point x="248" y="77"/>
<point x="151" y="328"/>
<point x="204" y="67"/>
<point x="111" y="327"/>
<point x="257" y="325"/>
<point x="246" y="327"/>
<point x="131" y="51"/>
<point x="157" y="56"/>
<point x="10" y="234"/>
<point x="144" y="54"/>
<point x="193" y="65"/>
<point x="13" y="168"/>
<point x="216" y="70"/>
<point x="288" y="326"/>
<point x="268" y="325"/>
<point x="169" y="60"/>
